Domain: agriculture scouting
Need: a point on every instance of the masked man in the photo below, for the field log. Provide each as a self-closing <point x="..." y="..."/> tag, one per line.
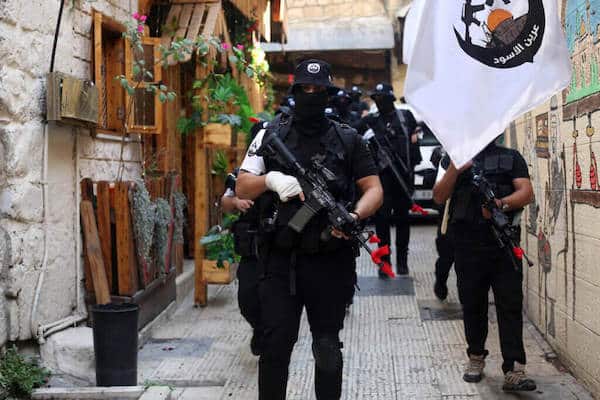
<point x="313" y="269"/>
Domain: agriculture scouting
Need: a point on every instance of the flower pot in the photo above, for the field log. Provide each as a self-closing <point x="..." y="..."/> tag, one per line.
<point x="219" y="276"/>
<point x="218" y="135"/>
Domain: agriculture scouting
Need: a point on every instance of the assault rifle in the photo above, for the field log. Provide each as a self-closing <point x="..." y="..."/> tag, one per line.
<point x="317" y="198"/>
<point x="389" y="160"/>
<point x="505" y="231"/>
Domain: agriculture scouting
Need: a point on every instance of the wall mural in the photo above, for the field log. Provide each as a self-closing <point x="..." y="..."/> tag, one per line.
<point x="582" y="28"/>
<point x="541" y="139"/>
<point x="530" y="155"/>
<point x="582" y="97"/>
<point x="545" y="157"/>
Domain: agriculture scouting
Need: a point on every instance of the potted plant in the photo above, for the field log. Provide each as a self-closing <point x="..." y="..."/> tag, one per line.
<point x="220" y="264"/>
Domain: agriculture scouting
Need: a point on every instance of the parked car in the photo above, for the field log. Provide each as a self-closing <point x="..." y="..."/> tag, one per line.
<point x="425" y="172"/>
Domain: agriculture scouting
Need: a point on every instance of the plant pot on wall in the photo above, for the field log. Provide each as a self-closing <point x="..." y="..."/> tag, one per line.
<point x="218" y="135"/>
<point x="219" y="276"/>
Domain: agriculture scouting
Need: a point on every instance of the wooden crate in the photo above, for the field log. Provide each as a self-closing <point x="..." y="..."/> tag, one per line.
<point x="219" y="276"/>
<point x="218" y="135"/>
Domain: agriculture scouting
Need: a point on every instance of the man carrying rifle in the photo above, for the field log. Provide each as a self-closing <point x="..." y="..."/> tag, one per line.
<point x="485" y="196"/>
<point x="393" y="140"/>
<point x="306" y="263"/>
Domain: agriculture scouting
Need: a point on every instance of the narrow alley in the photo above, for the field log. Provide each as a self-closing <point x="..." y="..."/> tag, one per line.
<point x="400" y="342"/>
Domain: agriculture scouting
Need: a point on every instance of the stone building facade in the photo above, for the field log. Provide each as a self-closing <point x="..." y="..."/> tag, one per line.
<point x="41" y="269"/>
<point x="360" y="38"/>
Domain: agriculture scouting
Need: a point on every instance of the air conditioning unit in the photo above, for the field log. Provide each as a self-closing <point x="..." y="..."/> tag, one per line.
<point x="71" y="100"/>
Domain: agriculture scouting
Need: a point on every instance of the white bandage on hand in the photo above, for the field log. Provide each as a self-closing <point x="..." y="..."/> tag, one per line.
<point x="285" y="186"/>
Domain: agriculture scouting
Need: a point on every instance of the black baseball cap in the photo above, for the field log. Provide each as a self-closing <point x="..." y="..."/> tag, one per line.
<point x="313" y="72"/>
<point x="355" y="90"/>
<point x="383" y="89"/>
<point x="341" y="94"/>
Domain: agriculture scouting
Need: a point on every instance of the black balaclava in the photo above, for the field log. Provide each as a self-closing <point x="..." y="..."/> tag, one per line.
<point x="342" y="104"/>
<point x="310" y="111"/>
<point x="385" y="105"/>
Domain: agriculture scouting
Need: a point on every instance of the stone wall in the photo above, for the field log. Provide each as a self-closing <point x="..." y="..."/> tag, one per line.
<point x="313" y="9"/>
<point x="560" y="231"/>
<point x="26" y="37"/>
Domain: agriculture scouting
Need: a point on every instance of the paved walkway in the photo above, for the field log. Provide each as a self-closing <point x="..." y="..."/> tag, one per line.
<point x="399" y="343"/>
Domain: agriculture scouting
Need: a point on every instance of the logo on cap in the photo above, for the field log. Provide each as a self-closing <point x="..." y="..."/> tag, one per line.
<point x="313" y="68"/>
<point x="379" y="87"/>
<point x="340" y="93"/>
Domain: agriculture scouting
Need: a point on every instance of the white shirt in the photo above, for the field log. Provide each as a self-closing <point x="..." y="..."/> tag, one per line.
<point x="253" y="163"/>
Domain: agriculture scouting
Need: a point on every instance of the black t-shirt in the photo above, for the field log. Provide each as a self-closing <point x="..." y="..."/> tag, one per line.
<point x="362" y="161"/>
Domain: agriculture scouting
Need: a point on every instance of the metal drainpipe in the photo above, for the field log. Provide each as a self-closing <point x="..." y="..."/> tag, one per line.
<point x="38" y="332"/>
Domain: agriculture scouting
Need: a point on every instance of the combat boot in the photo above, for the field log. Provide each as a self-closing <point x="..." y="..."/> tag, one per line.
<point x="402" y="263"/>
<point x="474" y="369"/>
<point x="440" y="289"/>
<point x="256" y="342"/>
<point x="517" y="381"/>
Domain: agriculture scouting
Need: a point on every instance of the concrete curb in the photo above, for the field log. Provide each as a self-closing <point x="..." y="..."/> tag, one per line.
<point x="89" y="393"/>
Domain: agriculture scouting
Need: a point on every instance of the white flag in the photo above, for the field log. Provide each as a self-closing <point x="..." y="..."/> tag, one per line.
<point x="479" y="64"/>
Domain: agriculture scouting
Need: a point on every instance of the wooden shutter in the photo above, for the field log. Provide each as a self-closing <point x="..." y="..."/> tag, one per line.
<point x="108" y="63"/>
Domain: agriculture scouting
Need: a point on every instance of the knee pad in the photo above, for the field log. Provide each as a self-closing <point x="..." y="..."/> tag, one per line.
<point x="327" y="353"/>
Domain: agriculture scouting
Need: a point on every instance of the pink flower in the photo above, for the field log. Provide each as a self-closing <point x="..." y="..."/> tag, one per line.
<point x="240" y="47"/>
<point x="136" y="15"/>
<point x="225" y="46"/>
<point x="140" y="28"/>
<point x="143" y="18"/>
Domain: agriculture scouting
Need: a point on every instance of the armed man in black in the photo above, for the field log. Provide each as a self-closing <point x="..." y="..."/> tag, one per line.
<point x="443" y="264"/>
<point x="482" y="261"/>
<point x="313" y="268"/>
<point x="358" y="108"/>
<point x="342" y="103"/>
<point x="245" y="229"/>
<point x="394" y="130"/>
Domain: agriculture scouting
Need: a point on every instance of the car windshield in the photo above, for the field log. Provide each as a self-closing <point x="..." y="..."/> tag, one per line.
<point x="429" y="139"/>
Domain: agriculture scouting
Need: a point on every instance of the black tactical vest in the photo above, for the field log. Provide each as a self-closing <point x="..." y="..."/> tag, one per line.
<point x="334" y="149"/>
<point x="496" y="167"/>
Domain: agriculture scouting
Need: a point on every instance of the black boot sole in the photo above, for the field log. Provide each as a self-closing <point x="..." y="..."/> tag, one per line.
<point x="472" y="379"/>
<point x="519" y="388"/>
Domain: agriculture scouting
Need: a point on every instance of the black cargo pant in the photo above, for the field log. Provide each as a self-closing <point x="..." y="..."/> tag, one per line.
<point x="248" y="300"/>
<point x="480" y="267"/>
<point x="445" y="259"/>
<point x="323" y="283"/>
<point x="395" y="209"/>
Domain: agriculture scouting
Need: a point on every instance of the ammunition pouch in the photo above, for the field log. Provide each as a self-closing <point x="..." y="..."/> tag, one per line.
<point x="244" y="239"/>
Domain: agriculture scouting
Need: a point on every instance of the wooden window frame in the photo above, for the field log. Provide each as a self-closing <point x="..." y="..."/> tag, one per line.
<point x="112" y="57"/>
<point x="155" y="129"/>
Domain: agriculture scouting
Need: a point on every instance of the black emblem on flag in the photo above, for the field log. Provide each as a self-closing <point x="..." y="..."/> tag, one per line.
<point x="501" y="39"/>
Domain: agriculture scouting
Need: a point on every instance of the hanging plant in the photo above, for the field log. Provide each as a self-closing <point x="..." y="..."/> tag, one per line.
<point x="161" y="233"/>
<point x="219" y="166"/>
<point x="180" y="202"/>
<point x="219" y="244"/>
<point x="144" y="218"/>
